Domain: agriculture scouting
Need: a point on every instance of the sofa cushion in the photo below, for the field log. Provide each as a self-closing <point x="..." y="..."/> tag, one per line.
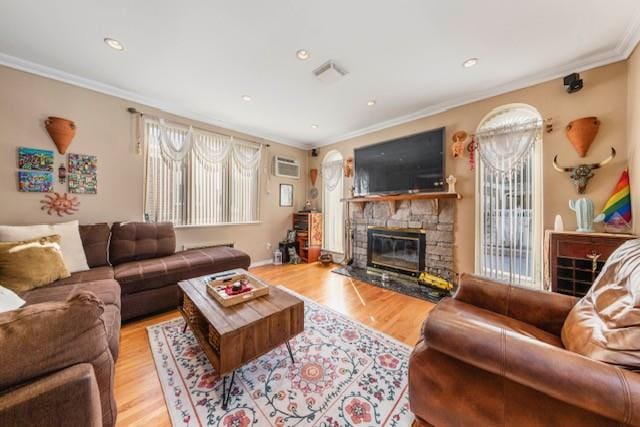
<point x="134" y="241"/>
<point x="91" y="275"/>
<point x="605" y="324"/>
<point x="95" y="241"/>
<point x="155" y="273"/>
<point x="70" y="241"/>
<point x="108" y="290"/>
<point x="31" y="263"/>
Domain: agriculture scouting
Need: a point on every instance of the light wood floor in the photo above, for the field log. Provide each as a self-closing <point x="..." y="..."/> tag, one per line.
<point x="137" y="388"/>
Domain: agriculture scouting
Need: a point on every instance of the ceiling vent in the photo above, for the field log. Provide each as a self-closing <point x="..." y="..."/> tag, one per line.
<point x="329" y="72"/>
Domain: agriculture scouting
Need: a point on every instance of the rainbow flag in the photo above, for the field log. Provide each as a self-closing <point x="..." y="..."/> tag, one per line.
<point x="617" y="210"/>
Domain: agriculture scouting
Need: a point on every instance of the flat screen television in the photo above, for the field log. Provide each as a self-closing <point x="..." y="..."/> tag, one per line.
<point x="413" y="163"/>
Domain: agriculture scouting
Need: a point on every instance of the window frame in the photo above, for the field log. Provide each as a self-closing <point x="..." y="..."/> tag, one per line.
<point x="537" y="208"/>
<point x="187" y="169"/>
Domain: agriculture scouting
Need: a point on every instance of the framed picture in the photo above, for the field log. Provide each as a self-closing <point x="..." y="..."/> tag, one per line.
<point x="286" y="195"/>
<point x="35" y="160"/>
<point x="35" y="181"/>
<point x="83" y="178"/>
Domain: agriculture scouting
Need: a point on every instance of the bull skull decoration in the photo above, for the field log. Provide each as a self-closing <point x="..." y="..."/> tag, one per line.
<point x="581" y="174"/>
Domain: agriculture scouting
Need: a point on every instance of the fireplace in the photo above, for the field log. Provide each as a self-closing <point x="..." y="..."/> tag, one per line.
<point x="401" y="250"/>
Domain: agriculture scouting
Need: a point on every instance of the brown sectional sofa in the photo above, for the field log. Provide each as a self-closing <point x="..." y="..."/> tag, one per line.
<point x="59" y="351"/>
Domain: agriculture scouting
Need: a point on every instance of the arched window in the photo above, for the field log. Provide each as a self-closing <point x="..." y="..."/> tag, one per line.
<point x="332" y="207"/>
<point x="509" y="195"/>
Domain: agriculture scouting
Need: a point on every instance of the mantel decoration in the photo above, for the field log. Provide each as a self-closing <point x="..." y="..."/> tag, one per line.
<point x="581" y="174"/>
<point x="582" y="132"/>
<point x="61" y="132"/>
<point x="60" y="204"/>
<point x="617" y="210"/>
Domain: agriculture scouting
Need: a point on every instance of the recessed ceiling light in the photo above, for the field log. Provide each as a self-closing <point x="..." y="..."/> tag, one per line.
<point x="371" y="102"/>
<point x="471" y="62"/>
<point x="114" y="44"/>
<point x="314" y="126"/>
<point x="303" y="54"/>
<point x="246" y="98"/>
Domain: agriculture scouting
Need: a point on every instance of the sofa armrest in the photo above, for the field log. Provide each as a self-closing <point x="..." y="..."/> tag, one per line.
<point x="67" y="397"/>
<point x="545" y="310"/>
<point x="43" y="338"/>
<point x="594" y="386"/>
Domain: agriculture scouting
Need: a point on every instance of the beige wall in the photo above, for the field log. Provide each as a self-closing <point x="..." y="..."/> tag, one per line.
<point x="105" y="130"/>
<point x="633" y="134"/>
<point x="604" y="96"/>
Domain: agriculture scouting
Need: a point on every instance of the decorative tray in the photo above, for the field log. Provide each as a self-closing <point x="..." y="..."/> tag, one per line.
<point x="221" y="288"/>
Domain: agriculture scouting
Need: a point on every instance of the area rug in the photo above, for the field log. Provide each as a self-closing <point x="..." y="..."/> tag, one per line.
<point x="345" y="374"/>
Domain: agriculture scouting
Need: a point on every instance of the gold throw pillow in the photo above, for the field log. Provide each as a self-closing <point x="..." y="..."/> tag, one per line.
<point x="31" y="263"/>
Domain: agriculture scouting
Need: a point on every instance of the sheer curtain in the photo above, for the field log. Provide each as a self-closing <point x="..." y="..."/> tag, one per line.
<point x="332" y="184"/>
<point x="509" y="199"/>
<point x="195" y="177"/>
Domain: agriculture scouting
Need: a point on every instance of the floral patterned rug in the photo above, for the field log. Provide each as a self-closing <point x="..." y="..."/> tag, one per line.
<point x="345" y="374"/>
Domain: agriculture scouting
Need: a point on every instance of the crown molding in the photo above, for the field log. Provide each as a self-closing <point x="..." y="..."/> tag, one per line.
<point x="623" y="49"/>
<point x="75" y="80"/>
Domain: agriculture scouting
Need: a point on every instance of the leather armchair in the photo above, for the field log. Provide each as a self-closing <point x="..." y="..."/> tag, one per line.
<point x="492" y="355"/>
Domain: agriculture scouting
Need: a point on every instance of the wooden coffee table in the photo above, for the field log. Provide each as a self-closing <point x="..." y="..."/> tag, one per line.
<point x="232" y="336"/>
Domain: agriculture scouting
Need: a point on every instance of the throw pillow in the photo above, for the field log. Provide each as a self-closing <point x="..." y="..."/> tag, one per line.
<point x="70" y="241"/>
<point x="31" y="263"/>
<point x="605" y="324"/>
<point x="9" y="300"/>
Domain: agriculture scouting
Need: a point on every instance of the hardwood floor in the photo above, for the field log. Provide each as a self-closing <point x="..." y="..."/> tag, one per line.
<point x="137" y="388"/>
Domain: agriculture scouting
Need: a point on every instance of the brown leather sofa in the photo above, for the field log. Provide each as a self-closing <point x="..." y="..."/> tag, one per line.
<point x="492" y="356"/>
<point x="58" y="352"/>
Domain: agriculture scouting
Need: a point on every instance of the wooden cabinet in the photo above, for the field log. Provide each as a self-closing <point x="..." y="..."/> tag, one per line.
<point x="575" y="259"/>
<point x="308" y="227"/>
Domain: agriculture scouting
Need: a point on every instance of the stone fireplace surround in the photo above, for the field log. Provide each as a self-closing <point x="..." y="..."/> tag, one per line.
<point x="434" y="216"/>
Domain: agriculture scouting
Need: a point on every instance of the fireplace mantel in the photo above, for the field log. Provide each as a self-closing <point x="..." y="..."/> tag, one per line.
<point x="391" y="199"/>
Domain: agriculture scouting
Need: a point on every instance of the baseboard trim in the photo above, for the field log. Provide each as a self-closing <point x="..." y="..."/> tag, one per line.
<point x="261" y="263"/>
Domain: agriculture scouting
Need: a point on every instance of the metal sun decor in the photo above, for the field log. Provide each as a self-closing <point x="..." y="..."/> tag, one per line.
<point x="60" y="204"/>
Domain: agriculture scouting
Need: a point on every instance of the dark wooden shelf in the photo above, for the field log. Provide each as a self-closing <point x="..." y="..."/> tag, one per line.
<point x="391" y="199"/>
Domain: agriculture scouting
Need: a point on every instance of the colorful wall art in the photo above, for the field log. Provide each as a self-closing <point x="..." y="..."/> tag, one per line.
<point x="82" y="174"/>
<point x="34" y="159"/>
<point x="35" y="181"/>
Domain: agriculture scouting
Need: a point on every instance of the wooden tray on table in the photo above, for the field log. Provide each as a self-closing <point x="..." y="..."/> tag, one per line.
<point x="217" y="283"/>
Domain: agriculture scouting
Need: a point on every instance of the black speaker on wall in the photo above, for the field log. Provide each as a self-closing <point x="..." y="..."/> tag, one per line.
<point x="573" y="83"/>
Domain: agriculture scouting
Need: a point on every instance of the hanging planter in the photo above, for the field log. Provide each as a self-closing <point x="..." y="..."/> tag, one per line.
<point x="61" y="132"/>
<point x="582" y="132"/>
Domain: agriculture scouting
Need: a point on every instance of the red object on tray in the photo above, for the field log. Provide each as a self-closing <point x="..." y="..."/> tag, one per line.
<point x="229" y="290"/>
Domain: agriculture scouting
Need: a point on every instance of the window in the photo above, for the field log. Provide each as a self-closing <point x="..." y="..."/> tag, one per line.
<point x="332" y="206"/>
<point x="196" y="178"/>
<point x="509" y="196"/>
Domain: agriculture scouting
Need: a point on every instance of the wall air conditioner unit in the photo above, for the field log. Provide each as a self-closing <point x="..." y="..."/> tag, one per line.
<point x="286" y="167"/>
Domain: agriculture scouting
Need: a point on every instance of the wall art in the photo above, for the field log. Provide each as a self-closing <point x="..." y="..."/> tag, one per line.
<point x="35" y="181"/>
<point x="60" y="204"/>
<point x="82" y="174"/>
<point x="35" y="159"/>
<point x="286" y="195"/>
<point x="61" y="132"/>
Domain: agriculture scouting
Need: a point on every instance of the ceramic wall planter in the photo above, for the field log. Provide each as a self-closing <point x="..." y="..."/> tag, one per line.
<point x="582" y="132"/>
<point x="313" y="174"/>
<point x="61" y="132"/>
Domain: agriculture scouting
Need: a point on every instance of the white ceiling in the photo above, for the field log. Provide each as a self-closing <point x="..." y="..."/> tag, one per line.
<point x="198" y="58"/>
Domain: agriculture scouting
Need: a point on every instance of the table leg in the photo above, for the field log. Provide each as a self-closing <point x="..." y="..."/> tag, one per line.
<point x="226" y="394"/>
<point x="290" y="352"/>
<point x="185" y="327"/>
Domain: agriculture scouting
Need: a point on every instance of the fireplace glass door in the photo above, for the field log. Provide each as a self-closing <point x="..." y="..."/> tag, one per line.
<point x="399" y="251"/>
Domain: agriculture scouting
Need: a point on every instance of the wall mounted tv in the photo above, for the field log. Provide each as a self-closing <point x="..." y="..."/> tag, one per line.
<point x="412" y="163"/>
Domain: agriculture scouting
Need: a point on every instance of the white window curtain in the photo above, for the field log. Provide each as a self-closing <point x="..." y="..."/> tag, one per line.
<point x="509" y="196"/>
<point x="196" y="178"/>
<point x="332" y="184"/>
